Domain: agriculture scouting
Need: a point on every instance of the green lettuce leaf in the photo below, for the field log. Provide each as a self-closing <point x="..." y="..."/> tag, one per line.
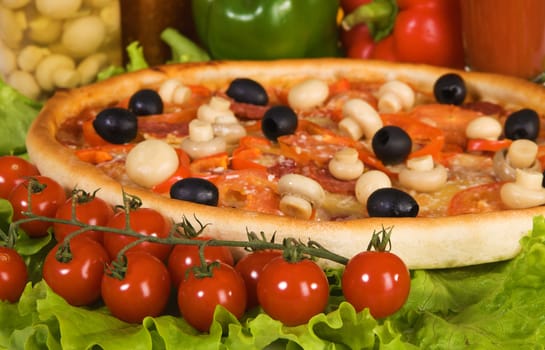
<point x="16" y="114"/>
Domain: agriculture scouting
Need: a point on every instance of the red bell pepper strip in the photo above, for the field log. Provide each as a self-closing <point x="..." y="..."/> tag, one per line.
<point x="211" y="166"/>
<point x="249" y="152"/>
<point x="483" y="145"/>
<point x="181" y="173"/>
<point x="415" y="31"/>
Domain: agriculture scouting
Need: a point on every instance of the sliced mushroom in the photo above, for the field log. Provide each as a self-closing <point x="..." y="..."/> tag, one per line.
<point x="521" y="154"/>
<point x="359" y="119"/>
<point x="395" y="96"/>
<point x="525" y="192"/>
<point x="422" y="175"/>
<point x="346" y="165"/>
<point x="201" y="141"/>
<point x="299" y="195"/>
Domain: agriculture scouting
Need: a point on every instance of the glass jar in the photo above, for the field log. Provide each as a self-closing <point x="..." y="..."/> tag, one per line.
<point x="505" y="36"/>
<point x="47" y="45"/>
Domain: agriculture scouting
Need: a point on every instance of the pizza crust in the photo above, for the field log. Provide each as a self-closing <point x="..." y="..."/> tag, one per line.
<point x="421" y="242"/>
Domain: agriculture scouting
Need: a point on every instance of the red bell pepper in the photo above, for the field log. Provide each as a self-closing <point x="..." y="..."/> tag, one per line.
<point x="415" y="31"/>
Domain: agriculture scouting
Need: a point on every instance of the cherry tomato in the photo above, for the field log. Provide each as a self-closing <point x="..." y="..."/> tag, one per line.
<point x="145" y="221"/>
<point x="250" y="267"/>
<point x="13" y="275"/>
<point x="142" y="291"/>
<point x="46" y="197"/>
<point x="78" y="279"/>
<point x="292" y="292"/>
<point x="378" y="280"/>
<point x="13" y="170"/>
<point x="199" y="296"/>
<point x="184" y="257"/>
<point x="89" y="209"/>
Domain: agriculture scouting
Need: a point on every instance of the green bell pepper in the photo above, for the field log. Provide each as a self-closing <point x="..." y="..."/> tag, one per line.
<point x="267" y="29"/>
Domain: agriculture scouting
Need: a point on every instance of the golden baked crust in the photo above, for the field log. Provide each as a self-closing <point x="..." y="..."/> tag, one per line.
<point x="421" y="242"/>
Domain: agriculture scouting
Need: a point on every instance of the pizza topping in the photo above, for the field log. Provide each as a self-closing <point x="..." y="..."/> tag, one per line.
<point x="369" y="182"/>
<point x="116" y="125"/>
<point x="520" y="154"/>
<point x="359" y="119"/>
<point x="422" y="175"/>
<point x="525" y="192"/>
<point x="345" y="164"/>
<point x="395" y="96"/>
<point x="146" y="102"/>
<point x="247" y="90"/>
<point x="201" y="141"/>
<point x="450" y="88"/>
<point x="151" y="162"/>
<point x="279" y="121"/>
<point x="308" y="94"/>
<point x="299" y="195"/>
<point x="391" y="144"/>
<point x="196" y="190"/>
<point x="522" y="124"/>
<point x="174" y="91"/>
<point x="485" y="127"/>
<point x="391" y="202"/>
<point x="216" y="107"/>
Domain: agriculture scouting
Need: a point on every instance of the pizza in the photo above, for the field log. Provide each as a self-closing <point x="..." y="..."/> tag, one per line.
<point x="330" y="150"/>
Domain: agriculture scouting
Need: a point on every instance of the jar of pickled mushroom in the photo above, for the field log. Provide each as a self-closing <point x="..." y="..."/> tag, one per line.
<point x="47" y="45"/>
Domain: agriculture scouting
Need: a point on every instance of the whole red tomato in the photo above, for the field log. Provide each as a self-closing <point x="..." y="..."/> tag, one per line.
<point x="145" y="221"/>
<point x="250" y="267"/>
<point x="46" y="197"/>
<point x="199" y="296"/>
<point x="378" y="280"/>
<point x="89" y="209"/>
<point x="292" y="292"/>
<point x="182" y="257"/>
<point x="13" y="170"/>
<point x="13" y="275"/>
<point x="78" y="279"/>
<point x="142" y="291"/>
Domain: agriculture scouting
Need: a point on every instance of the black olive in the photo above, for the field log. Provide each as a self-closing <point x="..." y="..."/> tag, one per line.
<point x="522" y="124"/>
<point x="247" y="91"/>
<point x="391" y="202"/>
<point x="450" y="88"/>
<point x="391" y="144"/>
<point x="196" y="190"/>
<point x="278" y="121"/>
<point x="116" y="125"/>
<point x="146" y="102"/>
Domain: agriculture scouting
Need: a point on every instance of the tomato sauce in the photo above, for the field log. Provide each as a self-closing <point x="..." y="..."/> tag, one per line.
<point x="505" y="36"/>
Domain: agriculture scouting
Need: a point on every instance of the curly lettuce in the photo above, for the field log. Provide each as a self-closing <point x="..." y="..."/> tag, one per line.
<point x="16" y="114"/>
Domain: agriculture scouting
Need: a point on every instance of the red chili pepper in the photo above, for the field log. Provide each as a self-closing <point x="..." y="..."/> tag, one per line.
<point x="416" y="31"/>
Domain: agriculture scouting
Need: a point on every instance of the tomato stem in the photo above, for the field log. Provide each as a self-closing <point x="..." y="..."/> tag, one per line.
<point x="380" y="241"/>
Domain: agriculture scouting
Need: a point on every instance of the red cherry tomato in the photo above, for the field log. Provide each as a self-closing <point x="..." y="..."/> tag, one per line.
<point x="13" y="170"/>
<point x="145" y="221"/>
<point x="250" y="267"/>
<point x="77" y="280"/>
<point x="88" y="209"/>
<point x="199" y="296"/>
<point x="184" y="257"/>
<point x="292" y="292"/>
<point x="13" y="275"/>
<point x="143" y="290"/>
<point x="46" y="197"/>
<point x="376" y="280"/>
